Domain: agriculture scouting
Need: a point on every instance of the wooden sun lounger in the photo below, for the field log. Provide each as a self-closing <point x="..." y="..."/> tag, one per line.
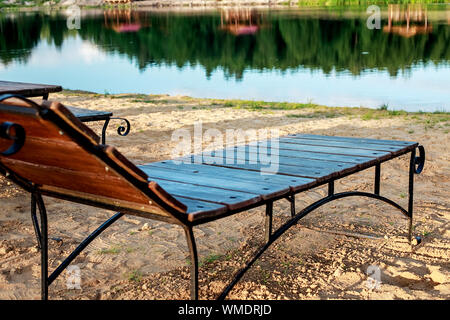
<point x="47" y="151"/>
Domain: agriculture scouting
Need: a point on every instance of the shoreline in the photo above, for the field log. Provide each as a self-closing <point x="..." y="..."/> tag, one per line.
<point x="158" y="4"/>
<point x="195" y="4"/>
<point x="382" y="111"/>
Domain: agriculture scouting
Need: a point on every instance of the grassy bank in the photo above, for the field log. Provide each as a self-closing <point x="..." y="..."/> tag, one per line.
<point x="430" y="120"/>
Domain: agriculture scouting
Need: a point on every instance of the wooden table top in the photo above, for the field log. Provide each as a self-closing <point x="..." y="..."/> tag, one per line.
<point x="86" y="115"/>
<point x="38" y="90"/>
<point x="28" y="89"/>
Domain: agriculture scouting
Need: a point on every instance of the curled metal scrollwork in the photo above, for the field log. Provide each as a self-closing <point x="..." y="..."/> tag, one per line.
<point x="419" y="161"/>
<point x="123" y="130"/>
<point x="14" y="132"/>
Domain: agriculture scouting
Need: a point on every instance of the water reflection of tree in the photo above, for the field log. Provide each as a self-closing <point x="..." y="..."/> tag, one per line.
<point x="178" y="39"/>
<point x="413" y="20"/>
<point x="124" y="20"/>
<point x="22" y="32"/>
<point x="18" y="37"/>
<point x="241" y="21"/>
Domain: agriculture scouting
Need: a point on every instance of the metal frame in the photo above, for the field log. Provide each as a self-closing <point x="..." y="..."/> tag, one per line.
<point x="121" y="130"/>
<point x="41" y="231"/>
<point x="416" y="166"/>
<point x="14" y="132"/>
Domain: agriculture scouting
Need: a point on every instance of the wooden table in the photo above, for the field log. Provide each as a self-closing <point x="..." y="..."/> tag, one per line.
<point x="43" y="90"/>
<point x="28" y="89"/>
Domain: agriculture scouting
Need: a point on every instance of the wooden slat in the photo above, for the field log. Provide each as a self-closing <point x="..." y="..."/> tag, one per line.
<point x="295" y="183"/>
<point x="354" y="139"/>
<point x="234" y="200"/>
<point x="18" y="111"/>
<point x="333" y="150"/>
<point x="50" y="152"/>
<point x="343" y="144"/>
<point x="319" y="174"/>
<point x="80" y="181"/>
<point x="237" y="154"/>
<point x="265" y="190"/>
<point x="311" y="155"/>
<point x="143" y="209"/>
<point x="195" y="207"/>
<point x="33" y="126"/>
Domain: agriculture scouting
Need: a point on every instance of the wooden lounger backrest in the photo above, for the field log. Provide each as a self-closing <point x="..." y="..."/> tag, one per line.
<point x="60" y="156"/>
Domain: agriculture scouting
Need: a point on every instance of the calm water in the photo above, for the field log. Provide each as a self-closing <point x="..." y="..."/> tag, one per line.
<point x="325" y="56"/>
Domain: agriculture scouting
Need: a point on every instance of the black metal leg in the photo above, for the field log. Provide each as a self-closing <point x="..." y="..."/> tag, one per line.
<point x="35" y="221"/>
<point x="45" y="96"/>
<point x="194" y="261"/>
<point x="412" y="169"/>
<point x="44" y="247"/>
<point x="105" y="126"/>
<point x="286" y="226"/>
<point x="292" y="200"/>
<point x="377" y="179"/>
<point x="330" y="188"/>
<point x="268" y="226"/>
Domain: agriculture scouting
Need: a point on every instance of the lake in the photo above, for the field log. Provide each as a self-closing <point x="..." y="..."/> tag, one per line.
<point x="322" y="55"/>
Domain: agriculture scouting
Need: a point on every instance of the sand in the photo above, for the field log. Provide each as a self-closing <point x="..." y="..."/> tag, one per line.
<point x="325" y="256"/>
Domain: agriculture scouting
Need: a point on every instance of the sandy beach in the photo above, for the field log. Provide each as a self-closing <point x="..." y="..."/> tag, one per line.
<point x="325" y="256"/>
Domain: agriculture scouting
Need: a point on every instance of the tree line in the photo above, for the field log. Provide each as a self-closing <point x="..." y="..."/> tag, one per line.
<point x="281" y="43"/>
